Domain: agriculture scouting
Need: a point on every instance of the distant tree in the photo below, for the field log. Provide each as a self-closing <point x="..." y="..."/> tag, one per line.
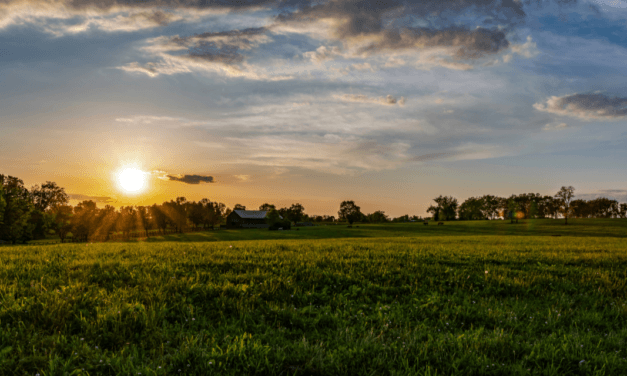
<point x="623" y="210"/>
<point x="239" y="207"/>
<point x="144" y="218"/>
<point x="490" y="206"/>
<point x="295" y="213"/>
<point x="196" y="212"/>
<point x="275" y="220"/>
<point x="84" y="220"/>
<point x="48" y="195"/>
<point x="62" y="220"/>
<point x="378" y="217"/>
<point x="349" y="212"/>
<point x="472" y="208"/>
<point x="512" y="210"/>
<point x="267" y="207"/>
<point x="564" y="197"/>
<point x="445" y="208"/>
<point x="18" y="206"/>
<point x="159" y="217"/>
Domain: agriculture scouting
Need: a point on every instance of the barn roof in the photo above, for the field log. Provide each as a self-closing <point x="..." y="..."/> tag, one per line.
<point x="251" y="214"/>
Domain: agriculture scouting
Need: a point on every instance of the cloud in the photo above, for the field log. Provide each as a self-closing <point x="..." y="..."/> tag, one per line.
<point x="586" y="106"/>
<point x="360" y="98"/>
<point x="555" y="126"/>
<point x="216" y="52"/>
<point x="191" y="179"/>
<point x="187" y="179"/>
<point x="97" y="199"/>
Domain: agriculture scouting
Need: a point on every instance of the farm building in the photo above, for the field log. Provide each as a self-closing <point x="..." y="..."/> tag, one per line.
<point x="247" y="219"/>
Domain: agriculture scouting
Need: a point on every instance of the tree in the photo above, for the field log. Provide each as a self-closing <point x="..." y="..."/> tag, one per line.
<point x="239" y="207"/>
<point x="275" y="220"/>
<point x="62" y="220"/>
<point x="349" y="212"/>
<point x="84" y="220"/>
<point x="564" y="197"/>
<point x="377" y="217"/>
<point x="490" y="207"/>
<point x="144" y="218"/>
<point x="267" y="207"/>
<point x="15" y="224"/>
<point x="48" y="196"/>
<point x="295" y="213"/>
<point x="159" y="216"/>
<point x="445" y="209"/>
<point x="472" y="208"/>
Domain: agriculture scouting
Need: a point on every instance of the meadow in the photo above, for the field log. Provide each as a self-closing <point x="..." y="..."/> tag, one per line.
<point x="466" y="298"/>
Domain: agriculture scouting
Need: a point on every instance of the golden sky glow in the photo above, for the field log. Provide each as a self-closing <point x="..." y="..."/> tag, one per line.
<point x="389" y="104"/>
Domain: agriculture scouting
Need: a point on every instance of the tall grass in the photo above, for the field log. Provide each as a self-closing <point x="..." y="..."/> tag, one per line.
<point x="469" y="305"/>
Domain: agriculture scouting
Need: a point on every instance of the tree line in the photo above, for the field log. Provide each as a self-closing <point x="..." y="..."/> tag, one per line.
<point x="526" y="206"/>
<point x="27" y="214"/>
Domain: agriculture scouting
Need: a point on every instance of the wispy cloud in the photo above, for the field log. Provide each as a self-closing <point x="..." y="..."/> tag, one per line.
<point x="183" y="178"/>
<point x="586" y="106"/>
<point x="388" y="100"/>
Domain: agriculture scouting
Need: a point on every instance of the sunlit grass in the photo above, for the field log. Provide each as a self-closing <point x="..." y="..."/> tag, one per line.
<point x="395" y="305"/>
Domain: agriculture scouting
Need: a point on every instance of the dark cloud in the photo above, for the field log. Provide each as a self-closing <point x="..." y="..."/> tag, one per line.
<point x="392" y="24"/>
<point x="472" y="44"/>
<point x="586" y="106"/>
<point x="221" y="47"/>
<point x="99" y="199"/>
<point x="172" y="4"/>
<point x="191" y="179"/>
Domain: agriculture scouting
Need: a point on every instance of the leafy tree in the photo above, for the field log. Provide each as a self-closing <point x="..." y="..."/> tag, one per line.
<point x="378" y="217"/>
<point x="445" y="209"/>
<point x="239" y="207"/>
<point x="196" y="213"/>
<point x="349" y="212"/>
<point x="62" y="220"/>
<point x="472" y="208"/>
<point x="17" y="206"/>
<point x="84" y="220"/>
<point x="564" y="197"/>
<point x="295" y="213"/>
<point x="490" y="206"/>
<point x="48" y="196"/>
<point x="276" y="221"/>
<point x="144" y="218"/>
<point x="623" y="210"/>
<point x="127" y="220"/>
<point x="159" y="217"/>
<point x="267" y="207"/>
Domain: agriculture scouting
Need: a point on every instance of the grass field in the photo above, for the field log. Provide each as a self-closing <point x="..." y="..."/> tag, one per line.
<point x="467" y="298"/>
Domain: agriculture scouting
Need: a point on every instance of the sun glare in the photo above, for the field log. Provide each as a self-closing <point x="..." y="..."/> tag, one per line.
<point x="132" y="180"/>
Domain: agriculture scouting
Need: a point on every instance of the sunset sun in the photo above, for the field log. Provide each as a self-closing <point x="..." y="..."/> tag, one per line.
<point x="132" y="180"/>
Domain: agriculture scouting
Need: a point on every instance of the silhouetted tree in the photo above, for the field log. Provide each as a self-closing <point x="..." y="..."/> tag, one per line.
<point x="378" y="217"/>
<point x="472" y="208"/>
<point x="267" y="207"/>
<point x="17" y="205"/>
<point x="564" y="197"/>
<point x="349" y="212"/>
<point x="239" y="207"/>
<point x="445" y="209"/>
<point x="62" y="220"/>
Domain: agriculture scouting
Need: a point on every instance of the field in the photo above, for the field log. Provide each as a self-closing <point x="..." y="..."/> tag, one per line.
<point x="466" y="298"/>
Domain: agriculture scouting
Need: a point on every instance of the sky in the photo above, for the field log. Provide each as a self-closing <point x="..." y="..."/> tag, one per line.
<point x="387" y="103"/>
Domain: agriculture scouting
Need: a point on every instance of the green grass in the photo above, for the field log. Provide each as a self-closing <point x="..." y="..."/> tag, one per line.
<point x="401" y="300"/>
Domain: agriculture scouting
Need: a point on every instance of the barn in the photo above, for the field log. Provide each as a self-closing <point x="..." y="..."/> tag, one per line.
<point x="247" y="219"/>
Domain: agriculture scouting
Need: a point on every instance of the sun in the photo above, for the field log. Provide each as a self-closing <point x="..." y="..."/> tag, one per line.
<point x="132" y="180"/>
